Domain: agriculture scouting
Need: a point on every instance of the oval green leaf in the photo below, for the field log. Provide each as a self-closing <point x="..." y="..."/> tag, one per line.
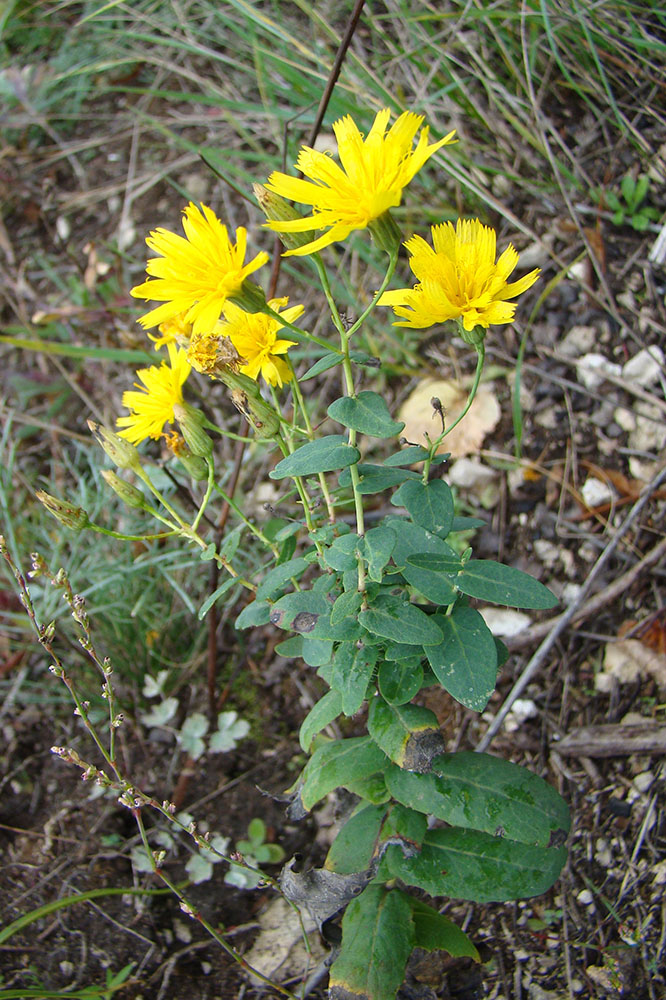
<point x="366" y="413"/>
<point x="328" y="454"/>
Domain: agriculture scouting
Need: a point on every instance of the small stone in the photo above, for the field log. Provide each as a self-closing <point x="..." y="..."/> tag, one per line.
<point x="182" y="931"/>
<point x="645" y="367"/>
<point x="595" y="493"/>
<point x="591" y="368"/>
<point x="66" y="967"/>
<point x="578" y="341"/>
<point x="624" y="418"/>
<point x="643" y="781"/>
<point x="585" y="897"/>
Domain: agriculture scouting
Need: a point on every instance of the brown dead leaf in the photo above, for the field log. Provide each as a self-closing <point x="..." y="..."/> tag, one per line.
<point x="421" y="418"/>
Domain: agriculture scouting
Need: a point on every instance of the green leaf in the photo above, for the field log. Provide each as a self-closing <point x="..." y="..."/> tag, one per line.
<point x="347" y="605"/>
<point x="372" y="788"/>
<point x="628" y="189"/>
<point x="408" y="734"/>
<point x="319" y="716"/>
<point x="465" y="662"/>
<point x="377" y="939"/>
<point x="642" y="185"/>
<point x="338" y="763"/>
<point x="341" y="553"/>
<point x="255" y="613"/>
<point x="378" y="545"/>
<point x="278" y="577"/>
<point x="399" y="682"/>
<point x="316" y="652"/>
<point x="435" y="585"/>
<point x="299" y="611"/>
<point x="402" y="622"/>
<point x="492" y="581"/>
<point x="366" y="413"/>
<point x="413" y="539"/>
<point x="354" y="847"/>
<point x="430" y="505"/>
<point x="407" y="456"/>
<point x="376" y="478"/>
<point x="485" y="793"/>
<point x="353" y="667"/>
<point x="327" y="454"/>
<point x="324" y="363"/>
<point x="435" y="932"/>
<point x="215" y="596"/>
<point x="468" y="864"/>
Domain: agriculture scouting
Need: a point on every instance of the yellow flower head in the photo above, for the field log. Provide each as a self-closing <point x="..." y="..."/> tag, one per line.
<point x="459" y="279"/>
<point x="196" y="273"/>
<point x="174" y="331"/>
<point x="153" y="405"/>
<point x="367" y="183"/>
<point x="254" y="335"/>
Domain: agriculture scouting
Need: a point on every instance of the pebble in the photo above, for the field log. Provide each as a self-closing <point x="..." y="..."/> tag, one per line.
<point x="643" y="781"/>
<point x="645" y="367"/>
<point x="585" y="897"/>
<point x="589" y="367"/>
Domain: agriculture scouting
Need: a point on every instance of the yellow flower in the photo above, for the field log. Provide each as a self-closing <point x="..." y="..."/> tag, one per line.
<point x="366" y="184"/>
<point x="459" y="279"/>
<point x="254" y="335"/>
<point x="153" y="405"/>
<point x="174" y="331"/>
<point x="197" y="273"/>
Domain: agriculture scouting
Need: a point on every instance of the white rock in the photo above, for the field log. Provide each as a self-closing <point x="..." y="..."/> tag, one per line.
<point x="585" y="897"/>
<point x="643" y="781"/>
<point x="182" y="931"/>
<point x="469" y="473"/>
<point x="595" y="493"/>
<point x="578" y="341"/>
<point x="505" y="621"/>
<point x="624" y="418"/>
<point x="590" y="367"/>
<point x="645" y="367"/>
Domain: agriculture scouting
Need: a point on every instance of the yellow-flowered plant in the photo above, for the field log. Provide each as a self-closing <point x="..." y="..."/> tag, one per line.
<point x="380" y="607"/>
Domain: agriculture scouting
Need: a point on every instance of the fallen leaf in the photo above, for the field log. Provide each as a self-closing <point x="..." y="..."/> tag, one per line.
<point x="628" y="660"/>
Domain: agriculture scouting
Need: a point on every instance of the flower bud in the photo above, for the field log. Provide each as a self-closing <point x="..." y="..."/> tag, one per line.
<point x="67" y="513"/>
<point x="276" y="209"/>
<point x="190" y="423"/>
<point x="123" y="454"/>
<point x="473" y="337"/>
<point x="128" y="494"/>
<point x="195" y="466"/>
<point x="258" y="413"/>
<point x="250" y="297"/>
<point x="385" y="233"/>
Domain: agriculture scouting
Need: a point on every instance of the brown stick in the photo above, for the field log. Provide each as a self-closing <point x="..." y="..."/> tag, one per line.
<point x="613" y="741"/>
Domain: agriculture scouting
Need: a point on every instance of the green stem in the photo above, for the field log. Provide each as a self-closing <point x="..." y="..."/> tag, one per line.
<point x="207" y="494"/>
<point x="298" y="396"/>
<point x="131" y="538"/>
<point x="302" y="334"/>
<point x="480" y="357"/>
<point x="248" y="524"/>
